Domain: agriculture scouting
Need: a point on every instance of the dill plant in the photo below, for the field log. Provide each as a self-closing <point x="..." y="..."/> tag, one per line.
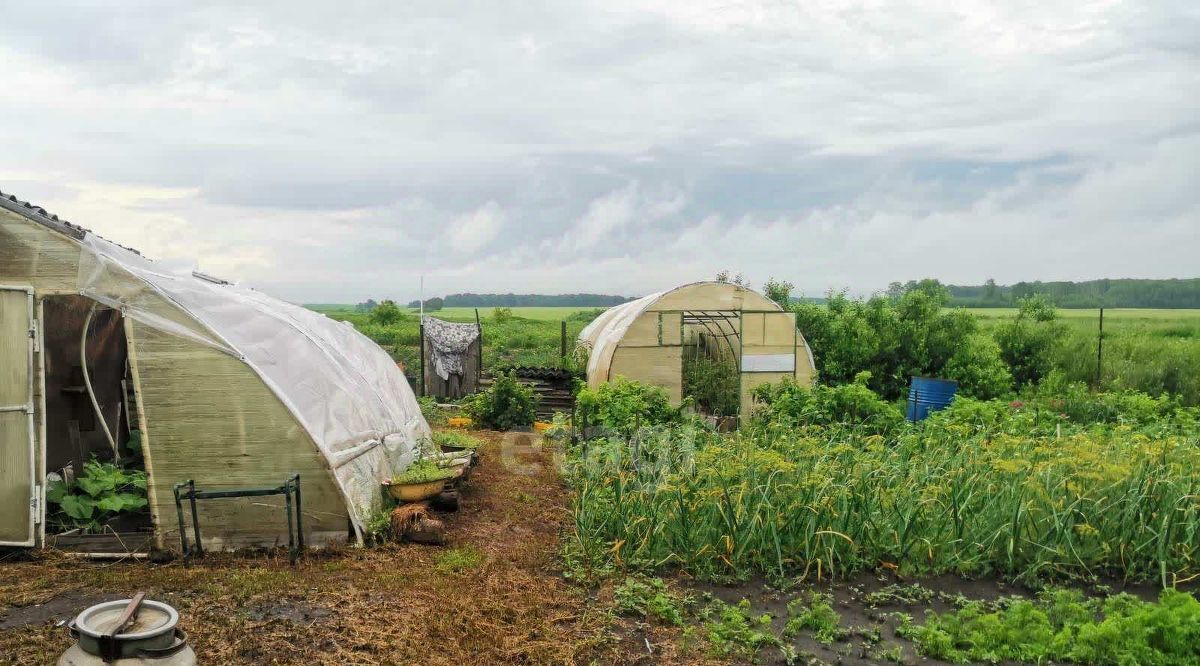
<point x="993" y="489"/>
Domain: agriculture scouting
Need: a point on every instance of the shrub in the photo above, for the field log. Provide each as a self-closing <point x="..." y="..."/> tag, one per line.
<point x="898" y="336"/>
<point x="506" y="404"/>
<point x="623" y="404"/>
<point x="502" y="315"/>
<point x="1029" y="342"/>
<point x="387" y="313"/>
<point x="979" y="369"/>
<point x="851" y="404"/>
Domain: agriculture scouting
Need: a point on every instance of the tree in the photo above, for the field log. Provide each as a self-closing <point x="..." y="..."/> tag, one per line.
<point x="991" y="293"/>
<point x="779" y="291"/>
<point x="366" y="306"/>
<point x="434" y="304"/>
<point x="896" y="337"/>
<point x="1029" y="342"/>
<point x="387" y="313"/>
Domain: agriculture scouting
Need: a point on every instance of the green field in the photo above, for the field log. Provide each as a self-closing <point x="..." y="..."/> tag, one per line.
<point x="464" y="314"/>
<point x="1152" y="350"/>
<point x="537" y="314"/>
<point x="1187" y="321"/>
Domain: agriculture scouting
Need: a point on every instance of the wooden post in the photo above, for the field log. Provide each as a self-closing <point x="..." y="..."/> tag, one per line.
<point x="479" y="366"/>
<point x="1100" y="351"/>
<point x="563" y="343"/>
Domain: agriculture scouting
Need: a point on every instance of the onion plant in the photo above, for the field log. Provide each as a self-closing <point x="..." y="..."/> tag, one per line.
<point x="818" y="501"/>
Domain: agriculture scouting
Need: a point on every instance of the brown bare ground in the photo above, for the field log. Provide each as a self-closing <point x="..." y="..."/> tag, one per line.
<point x="387" y="605"/>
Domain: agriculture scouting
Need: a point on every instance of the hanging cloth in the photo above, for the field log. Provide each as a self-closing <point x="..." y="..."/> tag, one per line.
<point x="449" y="342"/>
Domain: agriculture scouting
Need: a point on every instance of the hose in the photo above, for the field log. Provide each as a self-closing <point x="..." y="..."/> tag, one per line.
<point x="87" y="381"/>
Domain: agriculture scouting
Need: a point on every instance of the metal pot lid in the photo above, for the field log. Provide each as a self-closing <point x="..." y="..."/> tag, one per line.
<point x="153" y="619"/>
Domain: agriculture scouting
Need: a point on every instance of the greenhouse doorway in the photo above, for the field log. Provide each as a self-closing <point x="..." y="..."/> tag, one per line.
<point x="93" y="478"/>
<point x="711" y="357"/>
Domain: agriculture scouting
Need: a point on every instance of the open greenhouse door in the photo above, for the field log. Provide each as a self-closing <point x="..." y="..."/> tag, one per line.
<point x="768" y="352"/>
<point x="18" y="496"/>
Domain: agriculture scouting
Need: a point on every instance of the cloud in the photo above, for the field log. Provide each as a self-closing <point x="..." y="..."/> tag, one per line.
<point x="334" y="153"/>
<point x="478" y="228"/>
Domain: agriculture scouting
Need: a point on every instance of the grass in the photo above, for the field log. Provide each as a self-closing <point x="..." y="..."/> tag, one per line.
<point x="464" y="314"/>
<point x="555" y="314"/>
<point x="459" y="560"/>
<point x="532" y="341"/>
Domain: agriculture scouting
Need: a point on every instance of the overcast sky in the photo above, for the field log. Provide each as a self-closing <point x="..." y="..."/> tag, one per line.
<point x="334" y="151"/>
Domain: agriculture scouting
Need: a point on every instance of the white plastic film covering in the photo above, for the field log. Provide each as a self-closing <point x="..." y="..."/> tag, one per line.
<point x="605" y="331"/>
<point x="343" y="388"/>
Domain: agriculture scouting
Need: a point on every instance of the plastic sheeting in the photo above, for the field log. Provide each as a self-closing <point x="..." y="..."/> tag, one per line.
<point x="344" y="389"/>
<point x="605" y="332"/>
<point x="449" y="343"/>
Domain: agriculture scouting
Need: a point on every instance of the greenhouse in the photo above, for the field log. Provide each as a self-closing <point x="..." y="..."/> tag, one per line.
<point x="654" y="338"/>
<point x="106" y="355"/>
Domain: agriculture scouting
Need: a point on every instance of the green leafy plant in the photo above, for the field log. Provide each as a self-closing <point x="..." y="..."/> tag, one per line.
<point x="434" y="415"/>
<point x="731" y="630"/>
<point x="848" y="404"/>
<point x="506" y="404"/>
<point x="422" y="471"/>
<point x="650" y="597"/>
<point x="983" y="489"/>
<point x="1063" y="626"/>
<point x="379" y="525"/>
<point x="455" y="440"/>
<point x="623" y="404"/>
<point x="711" y="379"/>
<point x="102" y="492"/>
<point x="814" y="612"/>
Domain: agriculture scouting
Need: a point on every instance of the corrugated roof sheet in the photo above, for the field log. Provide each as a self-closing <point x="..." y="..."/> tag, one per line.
<point x="42" y="216"/>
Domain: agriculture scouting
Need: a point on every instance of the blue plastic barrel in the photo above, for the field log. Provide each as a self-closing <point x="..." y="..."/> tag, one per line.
<point x="927" y="394"/>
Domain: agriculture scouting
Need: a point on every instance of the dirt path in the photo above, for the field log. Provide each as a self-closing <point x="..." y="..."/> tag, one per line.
<point x="393" y="604"/>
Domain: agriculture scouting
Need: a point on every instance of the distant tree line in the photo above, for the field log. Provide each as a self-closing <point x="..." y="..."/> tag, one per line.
<point x="1118" y="293"/>
<point x="470" y="300"/>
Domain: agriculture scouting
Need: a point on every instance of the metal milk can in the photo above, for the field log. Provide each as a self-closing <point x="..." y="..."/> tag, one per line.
<point x="131" y="632"/>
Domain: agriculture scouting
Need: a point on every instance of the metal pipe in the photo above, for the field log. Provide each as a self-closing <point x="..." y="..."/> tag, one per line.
<point x="87" y="383"/>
